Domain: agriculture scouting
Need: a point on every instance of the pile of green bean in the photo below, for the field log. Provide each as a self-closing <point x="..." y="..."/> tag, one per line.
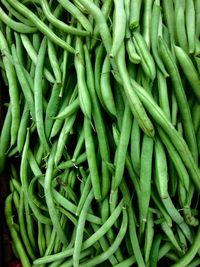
<point x="102" y="131"/>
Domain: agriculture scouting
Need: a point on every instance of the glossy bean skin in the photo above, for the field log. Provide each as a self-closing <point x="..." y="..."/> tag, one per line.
<point x="59" y="24"/>
<point x="99" y="125"/>
<point x="17" y="26"/>
<point x="40" y="25"/>
<point x="145" y="179"/>
<point x="14" y="234"/>
<point x="187" y="258"/>
<point x="38" y="92"/>
<point x="188" y="69"/>
<point x="76" y="13"/>
<point x="84" y="96"/>
<point x="122" y="147"/>
<point x="135" y="105"/>
<point x="181" y="97"/>
<point x="176" y="139"/>
<point x="5" y="138"/>
<point x="13" y="88"/>
<point x="147" y="61"/>
<point x="49" y="198"/>
<point x="119" y="27"/>
<point x="90" y="151"/>
<point x="154" y="37"/>
<point x="80" y="229"/>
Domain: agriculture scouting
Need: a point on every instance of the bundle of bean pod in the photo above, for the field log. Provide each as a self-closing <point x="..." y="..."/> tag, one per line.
<point x="102" y="131"/>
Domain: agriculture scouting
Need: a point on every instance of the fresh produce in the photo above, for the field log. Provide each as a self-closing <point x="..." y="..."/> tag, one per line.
<point x="101" y="135"/>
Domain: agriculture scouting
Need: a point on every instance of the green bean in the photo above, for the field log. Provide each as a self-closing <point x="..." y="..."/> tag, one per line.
<point x="30" y="226"/>
<point x="33" y="55"/>
<point x="154" y="37"/>
<point x="161" y="169"/>
<point x="180" y="24"/>
<point x="119" y="26"/>
<point x="83" y="94"/>
<point x="89" y="242"/>
<point x="58" y="244"/>
<point x="135" y="146"/>
<point x="84" y="194"/>
<point x="52" y="109"/>
<point x="91" y="157"/>
<point x="41" y="239"/>
<point x="122" y="148"/>
<point x="164" y="250"/>
<point x="99" y="125"/>
<point x="23" y="174"/>
<point x="180" y="168"/>
<point x="126" y="263"/>
<point x="73" y="162"/>
<point x="145" y="180"/>
<point x="63" y="137"/>
<point x="19" y="48"/>
<point x="64" y="65"/>
<point x="149" y="234"/>
<point x="57" y="125"/>
<point x="14" y="25"/>
<point x="163" y="94"/>
<point x="59" y="24"/>
<point x="105" y="85"/>
<point x="23" y="228"/>
<point x="190" y="24"/>
<point x="83" y="254"/>
<point x="190" y="254"/>
<point x="197" y="17"/>
<point x="160" y="207"/>
<point x="22" y="128"/>
<point x="97" y="71"/>
<point x="5" y="138"/>
<point x="181" y="97"/>
<point x="68" y="110"/>
<point x="183" y="241"/>
<point x="16" y="200"/>
<point x="51" y="243"/>
<point x="14" y="234"/>
<point x="49" y="198"/>
<point x="133" y="56"/>
<point x="106" y="10"/>
<point x="194" y="263"/>
<point x="169" y="233"/>
<point x="80" y="229"/>
<point x="54" y="62"/>
<point x="33" y="198"/>
<point x="147" y="17"/>
<point x="72" y="9"/>
<point x="16" y="14"/>
<point x="72" y="208"/>
<point x="80" y="6"/>
<point x="188" y="69"/>
<point x="197" y="47"/>
<point x="101" y="22"/>
<point x="134" y="240"/>
<point x="40" y="25"/>
<point x="135" y="7"/>
<point x="13" y="88"/>
<point x="153" y="261"/>
<point x="169" y="16"/>
<point x="38" y="95"/>
<point x="147" y="61"/>
<point x="23" y="82"/>
<point x="134" y="103"/>
<point x="105" y="255"/>
<point x="196" y="116"/>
